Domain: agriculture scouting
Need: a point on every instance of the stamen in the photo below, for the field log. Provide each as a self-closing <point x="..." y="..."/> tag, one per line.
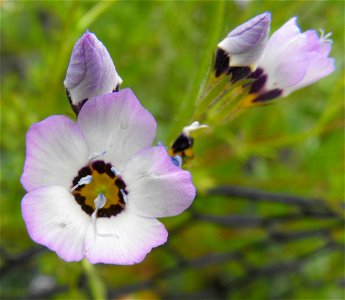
<point x="177" y="160"/>
<point x="325" y="38"/>
<point x="84" y="180"/>
<point x="97" y="155"/>
<point x="192" y="127"/>
<point x="99" y="202"/>
<point x="124" y="196"/>
<point x="115" y="171"/>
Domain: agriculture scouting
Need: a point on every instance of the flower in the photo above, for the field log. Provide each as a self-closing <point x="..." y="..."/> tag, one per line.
<point x="244" y="45"/>
<point x="91" y="71"/>
<point x="96" y="187"/>
<point x="291" y="60"/>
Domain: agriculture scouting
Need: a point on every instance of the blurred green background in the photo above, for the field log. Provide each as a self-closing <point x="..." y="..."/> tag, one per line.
<point x="162" y="51"/>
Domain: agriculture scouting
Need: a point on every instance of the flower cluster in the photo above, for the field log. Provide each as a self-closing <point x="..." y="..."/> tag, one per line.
<point x="96" y="186"/>
<point x="276" y="66"/>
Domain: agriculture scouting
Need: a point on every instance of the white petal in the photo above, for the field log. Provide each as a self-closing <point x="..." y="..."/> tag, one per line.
<point x="117" y="124"/>
<point x="318" y="68"/>
<point x="55" y="151"/>
<point x="156" y="187"/>
<point x="286" y="37"/>
<point x="124" y="239"/>
<point x="54" y="219"/>
<point x="288" y="72"/>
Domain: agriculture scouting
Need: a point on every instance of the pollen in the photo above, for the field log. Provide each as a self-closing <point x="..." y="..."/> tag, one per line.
<point x="104" y="181"/>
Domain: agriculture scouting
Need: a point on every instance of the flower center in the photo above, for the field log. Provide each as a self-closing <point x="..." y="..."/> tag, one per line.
<point x="100" y="178"/>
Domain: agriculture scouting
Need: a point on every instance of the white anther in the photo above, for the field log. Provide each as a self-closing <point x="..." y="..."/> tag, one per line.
<point x="177" y="160"/>
<point x="192" y="127"/>
<point x="99" y="202"/>
<point x="115" y="171"/>
<point x="97" y="155"/>
<point x="124" y="196"/>
<point x="84" y="180"/>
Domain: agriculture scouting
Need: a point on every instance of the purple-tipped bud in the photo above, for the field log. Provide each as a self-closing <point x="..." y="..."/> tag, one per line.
<point x="91" y="71"/>
<point x="245" y="44"/>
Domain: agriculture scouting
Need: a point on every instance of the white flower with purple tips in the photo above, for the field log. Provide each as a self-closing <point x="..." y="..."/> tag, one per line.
<point x="96" y="187"/>
<point x="91" y="71"/>
<point x="291" y="60"/>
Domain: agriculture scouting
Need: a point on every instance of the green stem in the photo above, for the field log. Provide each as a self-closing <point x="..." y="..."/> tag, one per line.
<point x="184" y="116"/>
<point x="93" y="14"/>
<point x="96" y="285"/>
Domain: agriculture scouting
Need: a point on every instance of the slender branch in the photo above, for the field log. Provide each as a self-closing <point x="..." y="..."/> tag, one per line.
<point x="221" y="258"/>
<point x="250" y="221"/>
<point x="18" y="261"/>
<point x="258" y="195"/>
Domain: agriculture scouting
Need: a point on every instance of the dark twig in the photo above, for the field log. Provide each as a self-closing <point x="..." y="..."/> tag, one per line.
<point x="245" y="221"/>
<point x="18" y="261"/>
<point x="258" y="195"/>
<point x="221" y="258"/>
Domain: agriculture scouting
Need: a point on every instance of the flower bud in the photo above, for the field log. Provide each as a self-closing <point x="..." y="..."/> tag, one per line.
<point x="91" y="72"/>
<point x="244" y="45"/>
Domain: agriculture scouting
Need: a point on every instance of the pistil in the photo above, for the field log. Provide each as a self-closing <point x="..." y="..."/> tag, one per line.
<point x="99" y="203"/>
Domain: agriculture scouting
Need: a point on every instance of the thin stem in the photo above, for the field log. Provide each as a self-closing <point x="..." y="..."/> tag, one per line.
<point x="98" y="290"/>
<point x="185" y="113"/>
<point x="93" y="14"/>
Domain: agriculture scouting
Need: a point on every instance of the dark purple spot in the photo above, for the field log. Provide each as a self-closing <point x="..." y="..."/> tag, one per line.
<point x="257" y="73"/>
<point x="88" y="209"/>
<point x="82" y="173"/>
<point x="80" y="199"/>
<point x="99" y="166"/>
<point x="113" y="210"/>
<point x="258" y="84"/>
<point x="76" y="108"/>
<point x="120" y="183"/>
<point x="238" y="73"/>
<point x="221" y="64"/>
<point x="182" y="143"/>
<point x="120" y="196"/>
<point x="268" y="95"/>
<point x="108" y="170"/>
<point x="117" y="88"/>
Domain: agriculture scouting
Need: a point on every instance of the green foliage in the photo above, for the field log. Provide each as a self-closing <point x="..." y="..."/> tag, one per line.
<point x="162" y="50"/>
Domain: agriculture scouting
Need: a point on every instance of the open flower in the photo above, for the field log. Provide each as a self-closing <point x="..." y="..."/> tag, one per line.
<point x="91" y="71"/>
<point x="96" y="187"/>
<point x="243" y="46"/>
<point x="291" y="60"/>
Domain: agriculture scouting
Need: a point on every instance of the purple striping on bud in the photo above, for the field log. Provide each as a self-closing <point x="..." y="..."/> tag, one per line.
<point x="245" y="44"/>
<point x="91" y="71"/>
